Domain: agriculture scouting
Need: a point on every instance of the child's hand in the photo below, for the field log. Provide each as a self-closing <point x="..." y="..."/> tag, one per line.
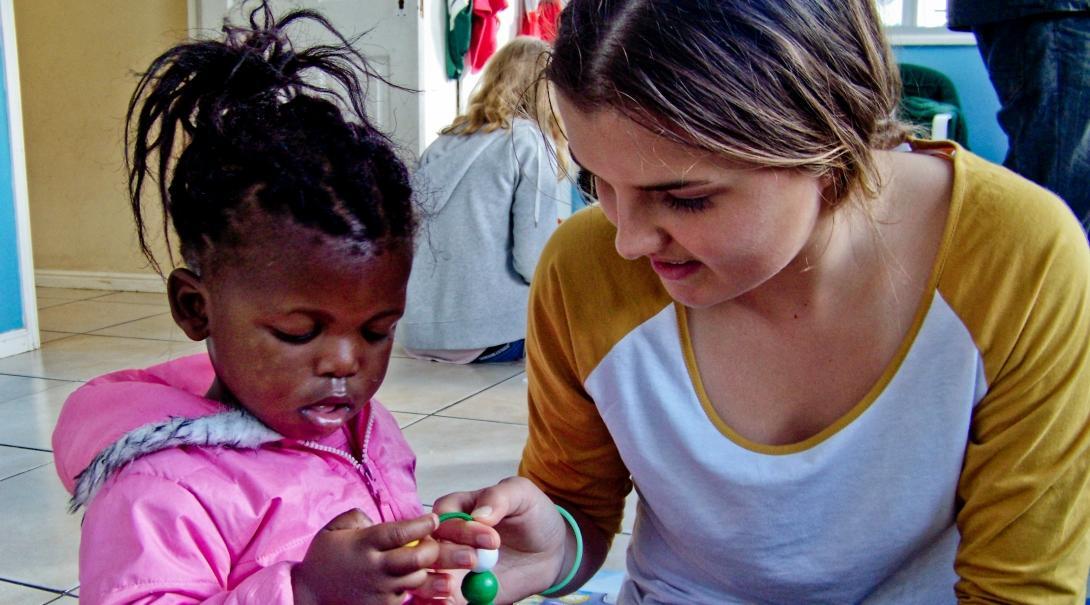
<point x="353" y="561"/>
<point x="533" y="534"/>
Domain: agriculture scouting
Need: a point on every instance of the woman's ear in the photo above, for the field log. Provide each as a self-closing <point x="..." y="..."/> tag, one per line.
<point x="188" y="303"/>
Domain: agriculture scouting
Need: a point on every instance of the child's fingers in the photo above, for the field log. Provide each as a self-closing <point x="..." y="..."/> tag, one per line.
<point x="407" y="559"/>
<point x="438" y="585"/>
<point x="349" y="519"/>
<point x="393" y="535"/>
<point x="410" y="582"/>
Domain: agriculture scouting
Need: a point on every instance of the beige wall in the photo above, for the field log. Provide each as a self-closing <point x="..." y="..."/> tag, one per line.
<point x="76" y="61"/>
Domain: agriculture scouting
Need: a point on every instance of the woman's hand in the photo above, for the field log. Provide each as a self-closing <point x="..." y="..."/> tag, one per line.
<point x="353" y="561"/>
<point x="532" y="538"/>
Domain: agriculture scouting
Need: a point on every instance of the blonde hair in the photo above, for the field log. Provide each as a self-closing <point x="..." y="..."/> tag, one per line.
<point x="513" y="86"/>
<point x="802" y="84"/>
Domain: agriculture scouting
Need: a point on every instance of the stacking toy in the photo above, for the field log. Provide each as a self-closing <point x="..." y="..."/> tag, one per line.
<point x="480" y="585"/>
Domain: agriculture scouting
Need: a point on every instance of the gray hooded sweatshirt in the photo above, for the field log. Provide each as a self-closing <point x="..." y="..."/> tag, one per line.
<point x="489" y="204"/>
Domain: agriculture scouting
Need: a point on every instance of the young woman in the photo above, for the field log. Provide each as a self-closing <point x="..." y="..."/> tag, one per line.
<point x="489" y="187"/>
<point x="837" y="364"/>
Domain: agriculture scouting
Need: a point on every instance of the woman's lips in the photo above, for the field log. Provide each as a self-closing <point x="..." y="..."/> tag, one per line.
<point x="674" y="271"/>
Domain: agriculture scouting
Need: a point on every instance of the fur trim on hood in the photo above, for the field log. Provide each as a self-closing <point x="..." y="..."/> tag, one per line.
<point x="234" y="429"/>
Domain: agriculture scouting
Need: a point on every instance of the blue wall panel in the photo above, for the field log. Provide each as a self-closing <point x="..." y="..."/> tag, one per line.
<point x="11" y="300"/>
<point x="963" y="65"/>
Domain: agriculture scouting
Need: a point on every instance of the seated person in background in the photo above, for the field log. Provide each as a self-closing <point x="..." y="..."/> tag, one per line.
<point x="489" y="187"/>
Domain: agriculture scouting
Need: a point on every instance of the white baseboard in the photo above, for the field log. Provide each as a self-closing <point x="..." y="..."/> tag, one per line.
<point x="95" y="280"/>
<point x="17" y="341"/>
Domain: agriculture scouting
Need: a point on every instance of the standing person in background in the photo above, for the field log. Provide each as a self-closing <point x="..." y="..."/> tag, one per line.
<point x="489" y="188"/>
<point x="838" y="365"/>
<point x="1038" y="57"/>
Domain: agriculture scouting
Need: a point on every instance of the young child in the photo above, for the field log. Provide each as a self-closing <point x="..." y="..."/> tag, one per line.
<point x="262" y="472"/>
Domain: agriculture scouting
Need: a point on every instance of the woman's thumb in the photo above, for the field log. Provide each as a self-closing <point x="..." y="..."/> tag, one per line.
<point x="349" y="519"/>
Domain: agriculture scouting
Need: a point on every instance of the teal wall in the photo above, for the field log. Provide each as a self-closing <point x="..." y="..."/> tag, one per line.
<point x="963" y="65"/>
<point x="11" y="300"/>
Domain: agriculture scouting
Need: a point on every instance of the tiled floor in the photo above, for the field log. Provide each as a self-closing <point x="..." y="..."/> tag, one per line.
<point x="467" y="425"/>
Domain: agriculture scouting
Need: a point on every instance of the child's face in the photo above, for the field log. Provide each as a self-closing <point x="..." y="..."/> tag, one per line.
<point x="287" y="316"/>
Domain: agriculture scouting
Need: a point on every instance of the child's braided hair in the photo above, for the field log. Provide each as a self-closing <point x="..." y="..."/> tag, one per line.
<point x="257" y="127"/>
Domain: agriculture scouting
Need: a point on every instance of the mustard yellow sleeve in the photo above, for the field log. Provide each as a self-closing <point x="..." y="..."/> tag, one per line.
<point x="1024" y="514"/>
<point x="570" y="454"/>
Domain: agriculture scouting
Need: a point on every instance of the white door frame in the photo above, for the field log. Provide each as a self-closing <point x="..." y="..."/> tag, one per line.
<point x="26" y="338"/>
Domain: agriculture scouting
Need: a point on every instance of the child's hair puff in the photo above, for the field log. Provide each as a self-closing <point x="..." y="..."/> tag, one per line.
<point x="247" y="123"/>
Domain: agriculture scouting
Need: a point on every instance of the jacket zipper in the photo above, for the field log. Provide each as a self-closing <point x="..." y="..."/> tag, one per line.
<point x="361" y="466"/>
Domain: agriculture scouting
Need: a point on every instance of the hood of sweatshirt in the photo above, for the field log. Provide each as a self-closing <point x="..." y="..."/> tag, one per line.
<point x="117" y="418"/>
<point x="449" y="158"/>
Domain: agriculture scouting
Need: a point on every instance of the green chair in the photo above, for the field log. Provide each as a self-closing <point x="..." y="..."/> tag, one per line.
<point x="930" y="101"/>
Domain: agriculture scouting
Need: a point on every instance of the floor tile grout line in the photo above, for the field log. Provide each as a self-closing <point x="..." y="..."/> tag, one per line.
<point x="21" y="473"/>
<point x="55" y="591"/>
<point x="147" y="338"/>
<point x="414" y="421"/>
<point x="471" y="395"/>
<point x="39" y="378"/>
<point x="107" y="293"/>
<point x="505" y="422"/>
<point x="127" y="321"/>
<point x="26" y="447"/>
<point x="127" y="302"/>
<point x="60" y="304"/>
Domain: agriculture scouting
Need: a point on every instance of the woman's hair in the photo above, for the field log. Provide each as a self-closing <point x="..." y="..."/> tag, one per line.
<point x="800" y="84"/>
<point x="513" y="86"/>
<point x="250" y="124"/>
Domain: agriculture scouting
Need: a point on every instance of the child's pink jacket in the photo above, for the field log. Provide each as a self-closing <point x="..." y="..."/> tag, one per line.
<point x="189" y="501"/>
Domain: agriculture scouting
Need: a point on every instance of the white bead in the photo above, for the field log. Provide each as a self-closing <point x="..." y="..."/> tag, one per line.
<point x="486" y="559"/>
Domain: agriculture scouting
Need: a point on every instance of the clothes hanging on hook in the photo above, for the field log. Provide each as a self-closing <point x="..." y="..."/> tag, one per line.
<point x="486" y="22"/>
<point x="459" y="28"/>
<point x="539" y="18"/>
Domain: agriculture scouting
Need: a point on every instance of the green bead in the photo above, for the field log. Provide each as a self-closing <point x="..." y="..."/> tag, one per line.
<point x="480" y="588"/>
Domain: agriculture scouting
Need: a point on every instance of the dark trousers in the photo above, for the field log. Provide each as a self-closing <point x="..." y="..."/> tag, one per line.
<point x="1040" y="68"/>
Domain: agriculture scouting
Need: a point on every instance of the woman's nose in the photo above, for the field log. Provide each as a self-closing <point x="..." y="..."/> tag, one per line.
<point x="637" y="233"/>
<point x="340" y="358"/>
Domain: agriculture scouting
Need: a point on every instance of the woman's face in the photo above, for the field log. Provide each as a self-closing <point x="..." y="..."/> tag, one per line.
<point x="712" y="230"/>
<point x="287" y="315"/>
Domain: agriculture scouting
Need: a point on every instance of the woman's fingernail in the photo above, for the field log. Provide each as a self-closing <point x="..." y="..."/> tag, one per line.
<point x="483" y="511"/>
<point x="484" y="541"/>
<point x="463" y="558"/>
<point x="440" y="586"/>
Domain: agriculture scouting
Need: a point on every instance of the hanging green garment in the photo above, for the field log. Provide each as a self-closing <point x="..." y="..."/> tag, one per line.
<point x="459" y="26"/>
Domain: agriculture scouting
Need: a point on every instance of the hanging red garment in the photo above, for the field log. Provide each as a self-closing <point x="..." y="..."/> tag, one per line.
<point x="486" y="21"/>
<point x="539" y="18"/>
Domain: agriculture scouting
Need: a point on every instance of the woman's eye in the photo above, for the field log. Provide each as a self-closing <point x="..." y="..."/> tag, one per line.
<point x="295" y="338"/>
<point x="690" y="204"/>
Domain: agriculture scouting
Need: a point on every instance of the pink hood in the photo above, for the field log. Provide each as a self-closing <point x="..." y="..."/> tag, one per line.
<point x="100" y="412"/>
